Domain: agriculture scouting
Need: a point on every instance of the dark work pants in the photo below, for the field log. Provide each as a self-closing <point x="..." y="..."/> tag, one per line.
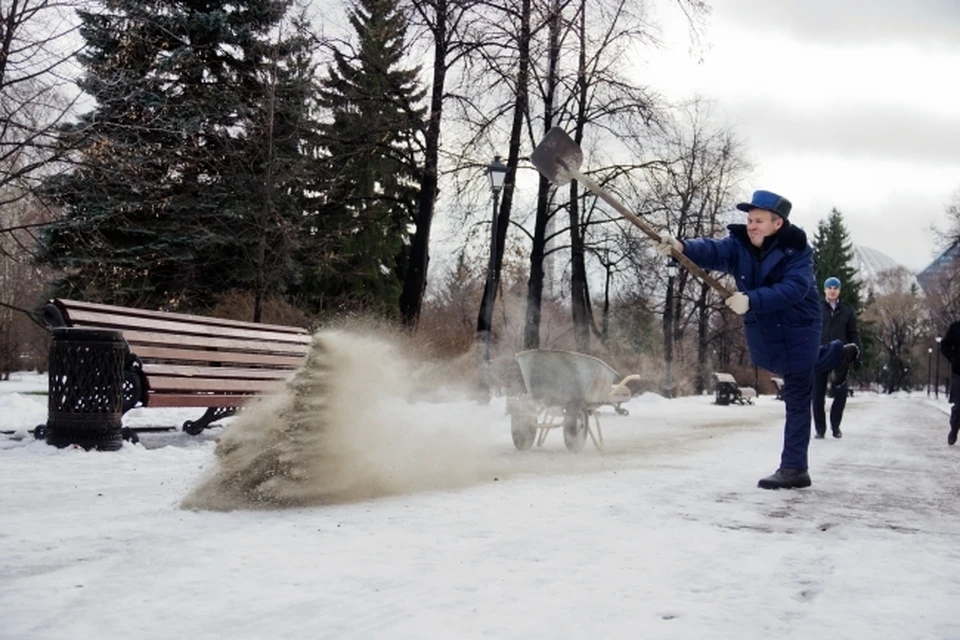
<point x="820" y="380"/>
<point x="797" y="394"/>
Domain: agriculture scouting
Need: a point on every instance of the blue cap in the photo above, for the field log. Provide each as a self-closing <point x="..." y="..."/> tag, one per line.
<point x="831" y="282"/>
<point x="769" y="201"/>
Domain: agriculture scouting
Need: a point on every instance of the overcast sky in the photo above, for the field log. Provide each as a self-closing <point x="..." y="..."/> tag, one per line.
<point x="850" y="104"/>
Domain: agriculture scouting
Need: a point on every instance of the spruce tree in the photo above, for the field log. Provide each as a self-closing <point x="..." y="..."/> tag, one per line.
<point x="158" y="208"/>
<point x="833" y="256"/>
<point x="371" y="143"/>
<point x="279" y="137"/>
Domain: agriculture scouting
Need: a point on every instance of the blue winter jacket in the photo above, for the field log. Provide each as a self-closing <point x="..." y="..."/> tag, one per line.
<point x="783" y="324"/>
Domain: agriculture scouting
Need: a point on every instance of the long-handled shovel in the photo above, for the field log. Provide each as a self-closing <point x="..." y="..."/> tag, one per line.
<point x="558" y="158"/>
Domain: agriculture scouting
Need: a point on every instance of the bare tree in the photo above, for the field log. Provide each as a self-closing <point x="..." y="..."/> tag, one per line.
<point x="22" y="285"/>
<point x="586" y="88"/>
<point x="37" y="47"/>
<point x="689" y="195"/>
<point x="943" y="297"/>
<point x="546" y="63"/>
<point x="442" y="24"/>
<point x="520" y="108"/>
<point x="951" y="235"/>
<point x="899" y="320"/>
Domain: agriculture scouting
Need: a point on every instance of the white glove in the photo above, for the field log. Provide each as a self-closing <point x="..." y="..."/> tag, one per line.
<point x="667" y="244"/>
<point x="739" y="303"/>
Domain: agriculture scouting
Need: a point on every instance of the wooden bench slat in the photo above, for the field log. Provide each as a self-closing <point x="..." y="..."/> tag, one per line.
<point x="193" y="371"/>
<point x="137" y="338"/>
<point x="156" y="400"/>
<point x="106" y="321"/>
<point x="128" y="312"/>
<point x="160" y="384"/>
<point x="724" y="377"/>
<point x="253" y="360"/>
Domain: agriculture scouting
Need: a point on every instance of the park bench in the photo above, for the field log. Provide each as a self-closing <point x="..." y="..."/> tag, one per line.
<point x="778" y="385"/>
<point x="180" y="360"/>
<point x="727" y="390"/>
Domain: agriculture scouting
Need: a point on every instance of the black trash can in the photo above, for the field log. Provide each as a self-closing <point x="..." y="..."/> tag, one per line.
<point x="85" y="401"/>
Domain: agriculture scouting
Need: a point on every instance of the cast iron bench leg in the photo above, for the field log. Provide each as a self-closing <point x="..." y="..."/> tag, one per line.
<point x="196" y="427"/>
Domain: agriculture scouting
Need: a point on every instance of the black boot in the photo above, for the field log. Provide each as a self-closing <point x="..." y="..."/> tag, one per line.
<point x="850" y="353"/>
<point x="786" y="479"/>
<point x="952" y="436"/>
<point x="839" y="376"/>
<point x="837" y="433"/>
<point x="818" y="436"/>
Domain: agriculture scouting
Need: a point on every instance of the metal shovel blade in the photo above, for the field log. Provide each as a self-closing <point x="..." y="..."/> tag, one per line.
<point x="558" y="159"/>
<point x="556" y="155"/>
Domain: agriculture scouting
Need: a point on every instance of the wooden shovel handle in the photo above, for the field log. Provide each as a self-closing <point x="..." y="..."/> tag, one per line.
<point x="687" y="263"/>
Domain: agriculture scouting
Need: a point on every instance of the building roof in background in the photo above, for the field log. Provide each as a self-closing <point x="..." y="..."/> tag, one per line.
<point x="870" y="266"/>
<point x="939" y="265"/>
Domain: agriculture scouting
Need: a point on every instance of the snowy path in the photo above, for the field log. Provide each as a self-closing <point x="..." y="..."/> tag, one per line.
<point x="662" y="535"/>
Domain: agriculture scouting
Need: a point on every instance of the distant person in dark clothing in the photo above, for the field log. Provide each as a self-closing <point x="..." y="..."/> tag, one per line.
<point x="839" y="323"/>
<point x="950" y="348"/>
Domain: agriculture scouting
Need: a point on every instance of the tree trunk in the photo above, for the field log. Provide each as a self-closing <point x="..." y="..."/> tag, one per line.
<point x="521" y="102"/>
<point x="703" y="344"/>
<point x="531" y="329"/>
<point x="668" y="330"/>
<point x="415" y="279"/>
<point x="579" y="289"/>
<point x="266" y="209"/>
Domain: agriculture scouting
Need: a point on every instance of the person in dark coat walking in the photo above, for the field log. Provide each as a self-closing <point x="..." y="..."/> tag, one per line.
<point x="777" y="296"/>
<point x="839" y="323"/>
<point x="950" y="348"/>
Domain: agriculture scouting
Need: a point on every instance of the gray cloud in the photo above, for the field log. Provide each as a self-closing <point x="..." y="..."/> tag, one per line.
<point x="875" y="132"/>
<point x="928" y="23"/>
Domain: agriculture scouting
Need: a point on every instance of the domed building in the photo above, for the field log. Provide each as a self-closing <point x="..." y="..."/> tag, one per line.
<point x="872" y="265"/>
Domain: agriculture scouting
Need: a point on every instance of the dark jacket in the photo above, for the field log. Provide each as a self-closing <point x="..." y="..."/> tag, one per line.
<point x="839" y="324"/>
<point x="950" y="347"/>
<point x="783" y="324"/>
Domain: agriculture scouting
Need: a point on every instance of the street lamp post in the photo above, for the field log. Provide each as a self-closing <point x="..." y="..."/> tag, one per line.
<point x="668" y="328"/>
<point x="936" y="380"/>
<point x="929" y="369"/>
<point x="496" y="173"/>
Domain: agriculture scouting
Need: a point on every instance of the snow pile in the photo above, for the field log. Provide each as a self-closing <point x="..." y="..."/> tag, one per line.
<point x="32" y="407"/>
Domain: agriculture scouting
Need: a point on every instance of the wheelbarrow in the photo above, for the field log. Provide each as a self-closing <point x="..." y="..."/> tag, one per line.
<point x="621" y="393"/>
<point x="564" y="390"/>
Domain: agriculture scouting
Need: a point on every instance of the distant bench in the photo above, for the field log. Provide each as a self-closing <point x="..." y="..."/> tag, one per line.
<point x="180" y="360"/>
<point x="727" y="390"/>
<point x="778" y="385"/>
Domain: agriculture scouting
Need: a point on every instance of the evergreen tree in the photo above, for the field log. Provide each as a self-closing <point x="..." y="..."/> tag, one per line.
<point x="279" y="137"/>
<point x="159" y="209"/>
<point x="833" y="256"/>
<point x="371" y="144"/>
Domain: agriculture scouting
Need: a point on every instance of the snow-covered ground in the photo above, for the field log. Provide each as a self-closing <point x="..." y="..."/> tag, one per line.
<point x="663" y="534"/>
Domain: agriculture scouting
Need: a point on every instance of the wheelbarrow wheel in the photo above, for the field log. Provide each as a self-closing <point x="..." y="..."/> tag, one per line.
<point x="575" y="428"/>
<point x="523" y="432"/>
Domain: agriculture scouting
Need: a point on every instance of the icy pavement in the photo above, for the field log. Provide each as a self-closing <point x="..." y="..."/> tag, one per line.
<point x="661" y="535"/>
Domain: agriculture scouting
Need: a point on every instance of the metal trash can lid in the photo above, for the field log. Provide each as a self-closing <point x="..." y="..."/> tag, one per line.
<point x="85" y="334"/>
